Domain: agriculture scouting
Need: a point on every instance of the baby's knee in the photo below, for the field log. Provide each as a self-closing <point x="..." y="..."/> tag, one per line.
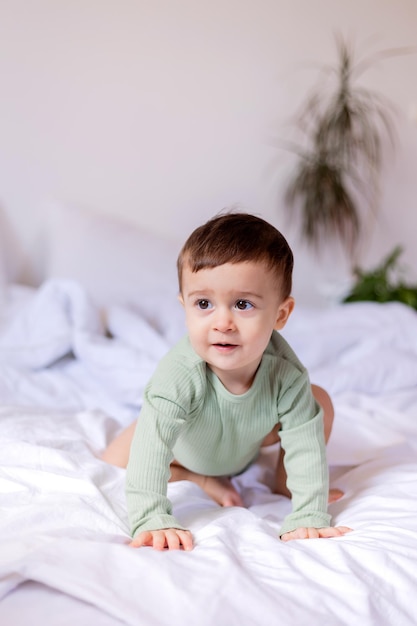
<point x="324" y="400"/>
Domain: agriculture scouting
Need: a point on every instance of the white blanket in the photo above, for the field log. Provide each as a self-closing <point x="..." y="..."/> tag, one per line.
<point x="66" y="387"/>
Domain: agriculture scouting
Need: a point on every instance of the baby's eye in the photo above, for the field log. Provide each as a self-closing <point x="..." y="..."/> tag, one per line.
<point x="203" y="304"/>
<point x="243" y="305"/>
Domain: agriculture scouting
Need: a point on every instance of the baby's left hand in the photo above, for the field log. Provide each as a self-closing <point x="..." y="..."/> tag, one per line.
<point x="316" y="533"/>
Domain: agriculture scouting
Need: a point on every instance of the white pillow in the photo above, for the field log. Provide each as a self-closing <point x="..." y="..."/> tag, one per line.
<point x="115" y="261"/>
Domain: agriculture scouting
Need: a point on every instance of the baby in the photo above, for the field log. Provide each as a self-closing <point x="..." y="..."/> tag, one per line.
<point x="230" y="386"/>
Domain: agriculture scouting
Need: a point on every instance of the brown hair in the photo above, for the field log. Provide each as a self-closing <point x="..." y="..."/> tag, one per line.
<point x="236" y="238"/>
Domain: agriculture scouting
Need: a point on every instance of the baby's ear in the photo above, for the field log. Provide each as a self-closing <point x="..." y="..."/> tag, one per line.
<point x="284" y="311"/>
<point x="180" y="298"/>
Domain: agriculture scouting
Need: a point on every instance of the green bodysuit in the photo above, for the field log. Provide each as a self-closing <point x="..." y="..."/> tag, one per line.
<point x="189" y="415"/>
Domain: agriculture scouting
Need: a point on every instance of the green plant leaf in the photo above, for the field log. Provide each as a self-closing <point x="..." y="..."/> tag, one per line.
<point x="382" y="284"/>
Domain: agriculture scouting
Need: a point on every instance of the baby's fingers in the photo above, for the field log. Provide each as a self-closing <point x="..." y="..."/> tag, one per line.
<point x="301" y="533"/>
<point x="333" y="531"/>
<point x="143" y="539"/>
<point x="182" y="538"/>
<point x="171" y="538"/>
<point x="174" y="539"/>
<point x="316" y="533"/>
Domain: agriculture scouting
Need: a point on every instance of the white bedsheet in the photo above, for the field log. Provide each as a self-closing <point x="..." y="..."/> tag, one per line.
<point x="66" y="387"/>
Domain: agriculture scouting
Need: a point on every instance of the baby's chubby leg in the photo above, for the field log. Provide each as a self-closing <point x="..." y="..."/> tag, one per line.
<point x="217" y="487"/>
<point x="118" y="450"/>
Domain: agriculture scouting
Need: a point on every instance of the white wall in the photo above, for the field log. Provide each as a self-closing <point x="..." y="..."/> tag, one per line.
<point x="165" y="111"/>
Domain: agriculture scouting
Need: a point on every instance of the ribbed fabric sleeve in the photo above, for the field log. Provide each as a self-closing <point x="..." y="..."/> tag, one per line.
<point x="188" y="415"/>
<point x="169" y="402"/>
<point x="305" y="458"/>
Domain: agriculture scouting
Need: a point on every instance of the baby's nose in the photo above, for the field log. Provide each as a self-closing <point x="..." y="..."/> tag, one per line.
<point x="223" y="320"/>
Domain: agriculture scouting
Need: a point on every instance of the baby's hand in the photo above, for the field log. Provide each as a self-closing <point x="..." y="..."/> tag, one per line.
<point x="170" y="538"/>
<point x="315" y="533"/>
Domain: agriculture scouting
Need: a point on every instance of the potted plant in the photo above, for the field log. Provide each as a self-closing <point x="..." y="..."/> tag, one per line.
<point x="334" y="186"/>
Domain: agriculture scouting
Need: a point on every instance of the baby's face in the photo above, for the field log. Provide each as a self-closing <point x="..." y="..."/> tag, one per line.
<point x="231" y="311"/>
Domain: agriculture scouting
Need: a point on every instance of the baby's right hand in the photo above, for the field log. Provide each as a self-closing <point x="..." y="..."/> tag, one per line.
<point x="170" y="538"/>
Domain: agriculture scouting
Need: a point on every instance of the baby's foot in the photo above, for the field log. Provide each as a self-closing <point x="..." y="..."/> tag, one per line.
<point x="334" y="495"/>
<point x="222" y="491"/>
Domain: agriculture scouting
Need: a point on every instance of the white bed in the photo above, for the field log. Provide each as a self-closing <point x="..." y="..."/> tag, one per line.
<point x="70" y="379"/>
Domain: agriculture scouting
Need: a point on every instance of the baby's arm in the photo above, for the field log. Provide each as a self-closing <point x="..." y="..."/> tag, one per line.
<point x="302" y="438"/>
<point x="316" y="533"/>
<point x="147" y="476"/>
<point x="171" y="538"/>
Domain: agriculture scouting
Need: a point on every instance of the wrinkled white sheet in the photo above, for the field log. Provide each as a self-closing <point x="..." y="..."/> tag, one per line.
<point x="67" y="385"/>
